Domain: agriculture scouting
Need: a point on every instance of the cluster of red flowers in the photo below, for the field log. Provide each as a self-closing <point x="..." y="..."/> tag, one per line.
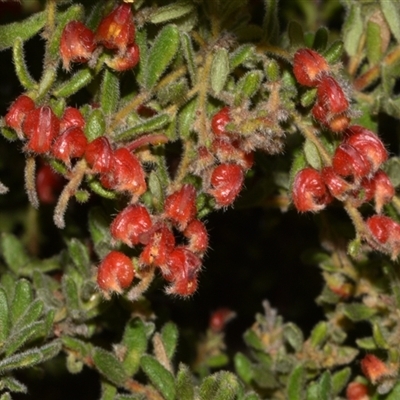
<point x="223" y="166"/>
<point x="179" y="264"/>
<point x="115" y="32"/>
<point x="354" y="174"/>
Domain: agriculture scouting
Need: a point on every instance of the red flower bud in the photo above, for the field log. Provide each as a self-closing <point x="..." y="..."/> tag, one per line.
<point x="347" y="161"/>
<point x="183" y="267"/>
<point x="127" y="60"/>
<point x="160" y="244"/>
<point x="357" y="391"/>
<point x="219" y="121"/>
<point x="227" y="181"/>
<point x="337" y="186"/>
<point x="126" y="173"/>
<point x="70" y="144"/>
<point x="220" y="318"/>
<point x="336" y="123"/>
<point x="48" y="184"/>
<point x="41" y="127"/>
<point x="99" y="155"/>
<point x="309" y="191"/>
<point x="131" y="224"/>
<point x="116" y="30"/>
<point x="367" y="144"/>
<point x="331" y="97"/>
<point x="115" y="272"/>
<point x="383" y="229"/>
<point x="72" y="118"/>
<point x="309" y="66"/>
<point x="77" y="43"/>
<point x="374" y="369"/>
<point x="180" y="206"/>
<point x="17" y="112"/>
<point x="197" y="235"/>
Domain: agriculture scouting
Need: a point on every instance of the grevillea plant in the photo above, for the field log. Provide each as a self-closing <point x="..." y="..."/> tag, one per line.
<point x="133" y="124"/>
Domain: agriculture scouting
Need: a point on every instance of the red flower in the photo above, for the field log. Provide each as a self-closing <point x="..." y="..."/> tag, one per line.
<point x="160" y="244"/>
<point x="72" y="118"/>
<point x="331" y="97"/>
<point x="77" y="43"/>
<point x="70" y="144"/>
<point x="197" y="235"/>
<point x="180" y="206"/>
<point x="99" y="155"/>
<point x="131" y="224"/>
<point x="48" y="184"/>
<point x="41" y="126"/>
<point x="219" y="121"/>
<point x="115" y="272"/>
<point x="337" y="186"/>
<point x="367" y="144"/>
<point x="309" y="192"/>
<point x="18" y="111"/>
<point x="347" y="161"/>
<point x="374" y="369"/>
<point x="357" y="391"/>
<point x="116" y="30"/>
<point x="227" y="181"/>
<point x="127" y="60"/>
<point x="309" y="66"/>
<point x="126" y="173"/>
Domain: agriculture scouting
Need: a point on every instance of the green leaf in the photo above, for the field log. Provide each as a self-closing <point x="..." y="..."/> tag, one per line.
<point x="172" y="11"/>
<point x="71" y="293"/>
<point x="157" y="191"/>
<point x="373" y="42"/>
<point x="391" y="11"/>
<point x="242" y="55"/>
<point x="135" y="340"/>
<point x="219" y="386"/>
<point x="334" y="52"/>
<point x="340" y="379"/>
<point x="162" y="53"/>
<point x="271" y="21"/>
<point x="150" y="124"/>
<point x="353" y="29"/>
<point x="243" y="367"/>
<point x="11" y="384"/>
<point x="21" y="68"/>
<point x="325" y="386"/>
<point x="169" y="336"/>
<point x="295" y="386"/>
<point x="186" y="118"/>
<point x="319" y="334"/>
<point x="80" y="256"/>
<point x="173" y="93"/>
<point x="184" y="383"/>
<point x="109" y="366"/>
<point x="160" y="377"/>
<point x="296" y="34"/>
<point x="99" y="231"/>
<point x="252" y="340"/>
<point x="366" y="343"/>
<point x="77" y="82"/>
<point x="22" y="300"/>
<point x="392" y="168"/>
<point x="21" y="336"/>
<point x="24" y="30"/>
<point x="272" y="71"/>
<point x="30" y="357"/>
<point x="312" y="155"/>
<point x="248" y="85"/>
<point x="109" y="92"/>
<point x="141" y="69"/>
<point x="219" y="70"/>
<point x="379" y="336"/>
<point x="95" y="125"/>
<point x="13" y="252"/>
<point x="358" y="312"/>
<point x="190" y="56"/>
<point x="4" y="317"/>
<point x="293" y="335"/>
<point x="321" y="39"/>
<point x="6" y="396"/>
<point x="76" y="345"/>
